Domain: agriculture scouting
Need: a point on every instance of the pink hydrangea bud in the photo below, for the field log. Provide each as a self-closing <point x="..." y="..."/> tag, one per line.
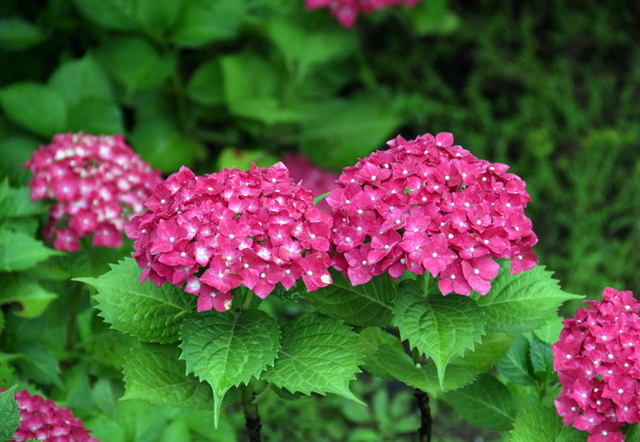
<point x="427" y="205"/>
<point x="346" y="11"/>
<point x="317" y="180"/>
<point x="44" y="420"/>
<point x="222" y="230"/>
<point x="97" y="182"/>
<point x="597" y="360"/>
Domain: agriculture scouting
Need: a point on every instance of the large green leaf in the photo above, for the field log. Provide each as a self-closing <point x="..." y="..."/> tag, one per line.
<point x="205" y="21"/>
<point x="9" y="415"/>
<point x="96" y="116"/>
<point x="205" y="84"/>
<point x="365" y="304"/>
<point x="541" y="356"/>
<point x="146" y="311"/>
<point x="16" y="34"/>
<point x="163" y="146"/>
<point x="19" y="251"/>
<point x="398" y="364"/>
<point x="35" y="107"/>
<point x="154" y="372"/>
<point x="493" y="348"/>
<point x="516" y="365"/>
<point x="113" y="14"/>
<point x="32" y="299"/>
<point x="319" y="354"/>
<point x="227" y="349"/>
<point x="16" y="202"/>
<point x="38" y="365"/>
<point x="438" y="326"/>
<point x="15" y="151"/>
<point x="542" y="424"/>
<point x="156" y="16"/>
<point x="486" y="402"/>
<point x="522" y="302"/>
<point x="79" y="79"/>
<point x="371" y="339"/>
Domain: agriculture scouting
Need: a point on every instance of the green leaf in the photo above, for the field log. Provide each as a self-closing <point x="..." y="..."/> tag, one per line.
<point x="109" y="347"/>
<point x="542" y="424"/>
<point x="227" y="349"/>
<point x="96" y="116"/>
<point x="154" y="373"/>
<point x="16" y="202"/>
<point x="440" y="327"/>
<point x="516" y="365"/>
<point x="9" y="415"/>
<point x="486" y="402"/>
<point x="522" y="302"/>
<point x="365" y="304"/>
<point x="104" y="428"/>
<point x="398" y="364"/>
<point x="371" y="339"/>
<point x="136" y="63"/>
<point x="205" y="85"/>
<point x="19" y="251"/>
<point x="242" y="159"/>
<point x="112" y="14"/>
<point x="541" y="356"/>
<point x="8" y="375"/>
<point x="319" y="354"/>
<point x="550" y="332"/>
<point x="206" y="21"/>
<point x="336" y="133"/>
<point x="79" y="79"/>
<point x="146" y="311"/>
<point x="35" y="107"/>
<point x="156" y="16"/>
<point x="15" y="151"/>
<point x="22" y="289"/>
<point x="39" y="365"/>
<point x="17" y="34"/>
<point x="162" y="146"/>
<point x="493" y="348"/>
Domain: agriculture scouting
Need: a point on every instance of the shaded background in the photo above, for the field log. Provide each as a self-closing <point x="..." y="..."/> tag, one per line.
<point x="551" y="88"/>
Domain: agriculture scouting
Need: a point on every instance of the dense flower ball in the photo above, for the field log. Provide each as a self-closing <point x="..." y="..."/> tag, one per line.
<point x="598" y="363"/>
<point x="318" y="181"/>
<point x="232" y="228"/>
<point x="43" y="420"/>
<point x="426" y="204"/>
<point x="97" y="183"/>
<point x="346" y="11"/>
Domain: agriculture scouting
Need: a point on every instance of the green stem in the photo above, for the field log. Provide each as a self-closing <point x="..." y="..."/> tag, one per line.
<point x="262" y="395"/>
<point x="251" y="415"/>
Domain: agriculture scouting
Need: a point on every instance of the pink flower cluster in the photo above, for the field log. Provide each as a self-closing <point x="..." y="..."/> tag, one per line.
<point x="346" y="11"/>
<point x="426" y="204"/>
<point x="598" y="363"/>
<point x="254" y="228"/>
<point x="98" y="183"/>
<point x="317" y="180"/>
<point x="44" y="420"/>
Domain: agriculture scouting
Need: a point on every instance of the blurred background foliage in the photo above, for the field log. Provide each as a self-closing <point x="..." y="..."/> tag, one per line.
<point x="550" y="87"/>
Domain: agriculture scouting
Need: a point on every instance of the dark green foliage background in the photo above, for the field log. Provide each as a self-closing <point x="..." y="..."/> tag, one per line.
<point x="550" y="87"/>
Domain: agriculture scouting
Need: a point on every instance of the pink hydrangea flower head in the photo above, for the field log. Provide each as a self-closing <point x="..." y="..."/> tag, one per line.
<point x="318" y="181"/>
<point x="215" y="232"/>
<point x="596" y="359"/>
<point x="97" y="183"/>
<point x="346" y="11"/>
<point x="427" y="205"/>
<point x="44" y="420"/>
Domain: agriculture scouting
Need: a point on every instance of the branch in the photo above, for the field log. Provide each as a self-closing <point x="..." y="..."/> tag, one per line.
<point x="424" y="432"/>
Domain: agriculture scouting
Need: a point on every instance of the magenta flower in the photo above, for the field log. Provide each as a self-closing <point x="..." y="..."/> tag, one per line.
<point x="217" y="232"/>
<point x="97" y="182"/>
<point x="346" y="11"/>
<point x="596" y="360"/>
<point x="44" y="420"/>
<point x="318" y="181"/>
<point x="427" y="205"/>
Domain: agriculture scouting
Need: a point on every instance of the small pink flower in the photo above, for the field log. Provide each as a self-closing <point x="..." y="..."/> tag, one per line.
<point x="346" y="11"/>
<point x="44" y="420"/>
<point x="99" y="183"/>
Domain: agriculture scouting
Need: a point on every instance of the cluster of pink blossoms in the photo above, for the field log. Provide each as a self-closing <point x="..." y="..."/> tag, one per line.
<point x="428" y="205"/>
<point x="254" y="228"/>
<point x="98" y="183"/>
<point x="346" y="11"/>
<point x="598" y="365"/>
<point x="43" y="420"/>
<point x="317" y="180"/>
